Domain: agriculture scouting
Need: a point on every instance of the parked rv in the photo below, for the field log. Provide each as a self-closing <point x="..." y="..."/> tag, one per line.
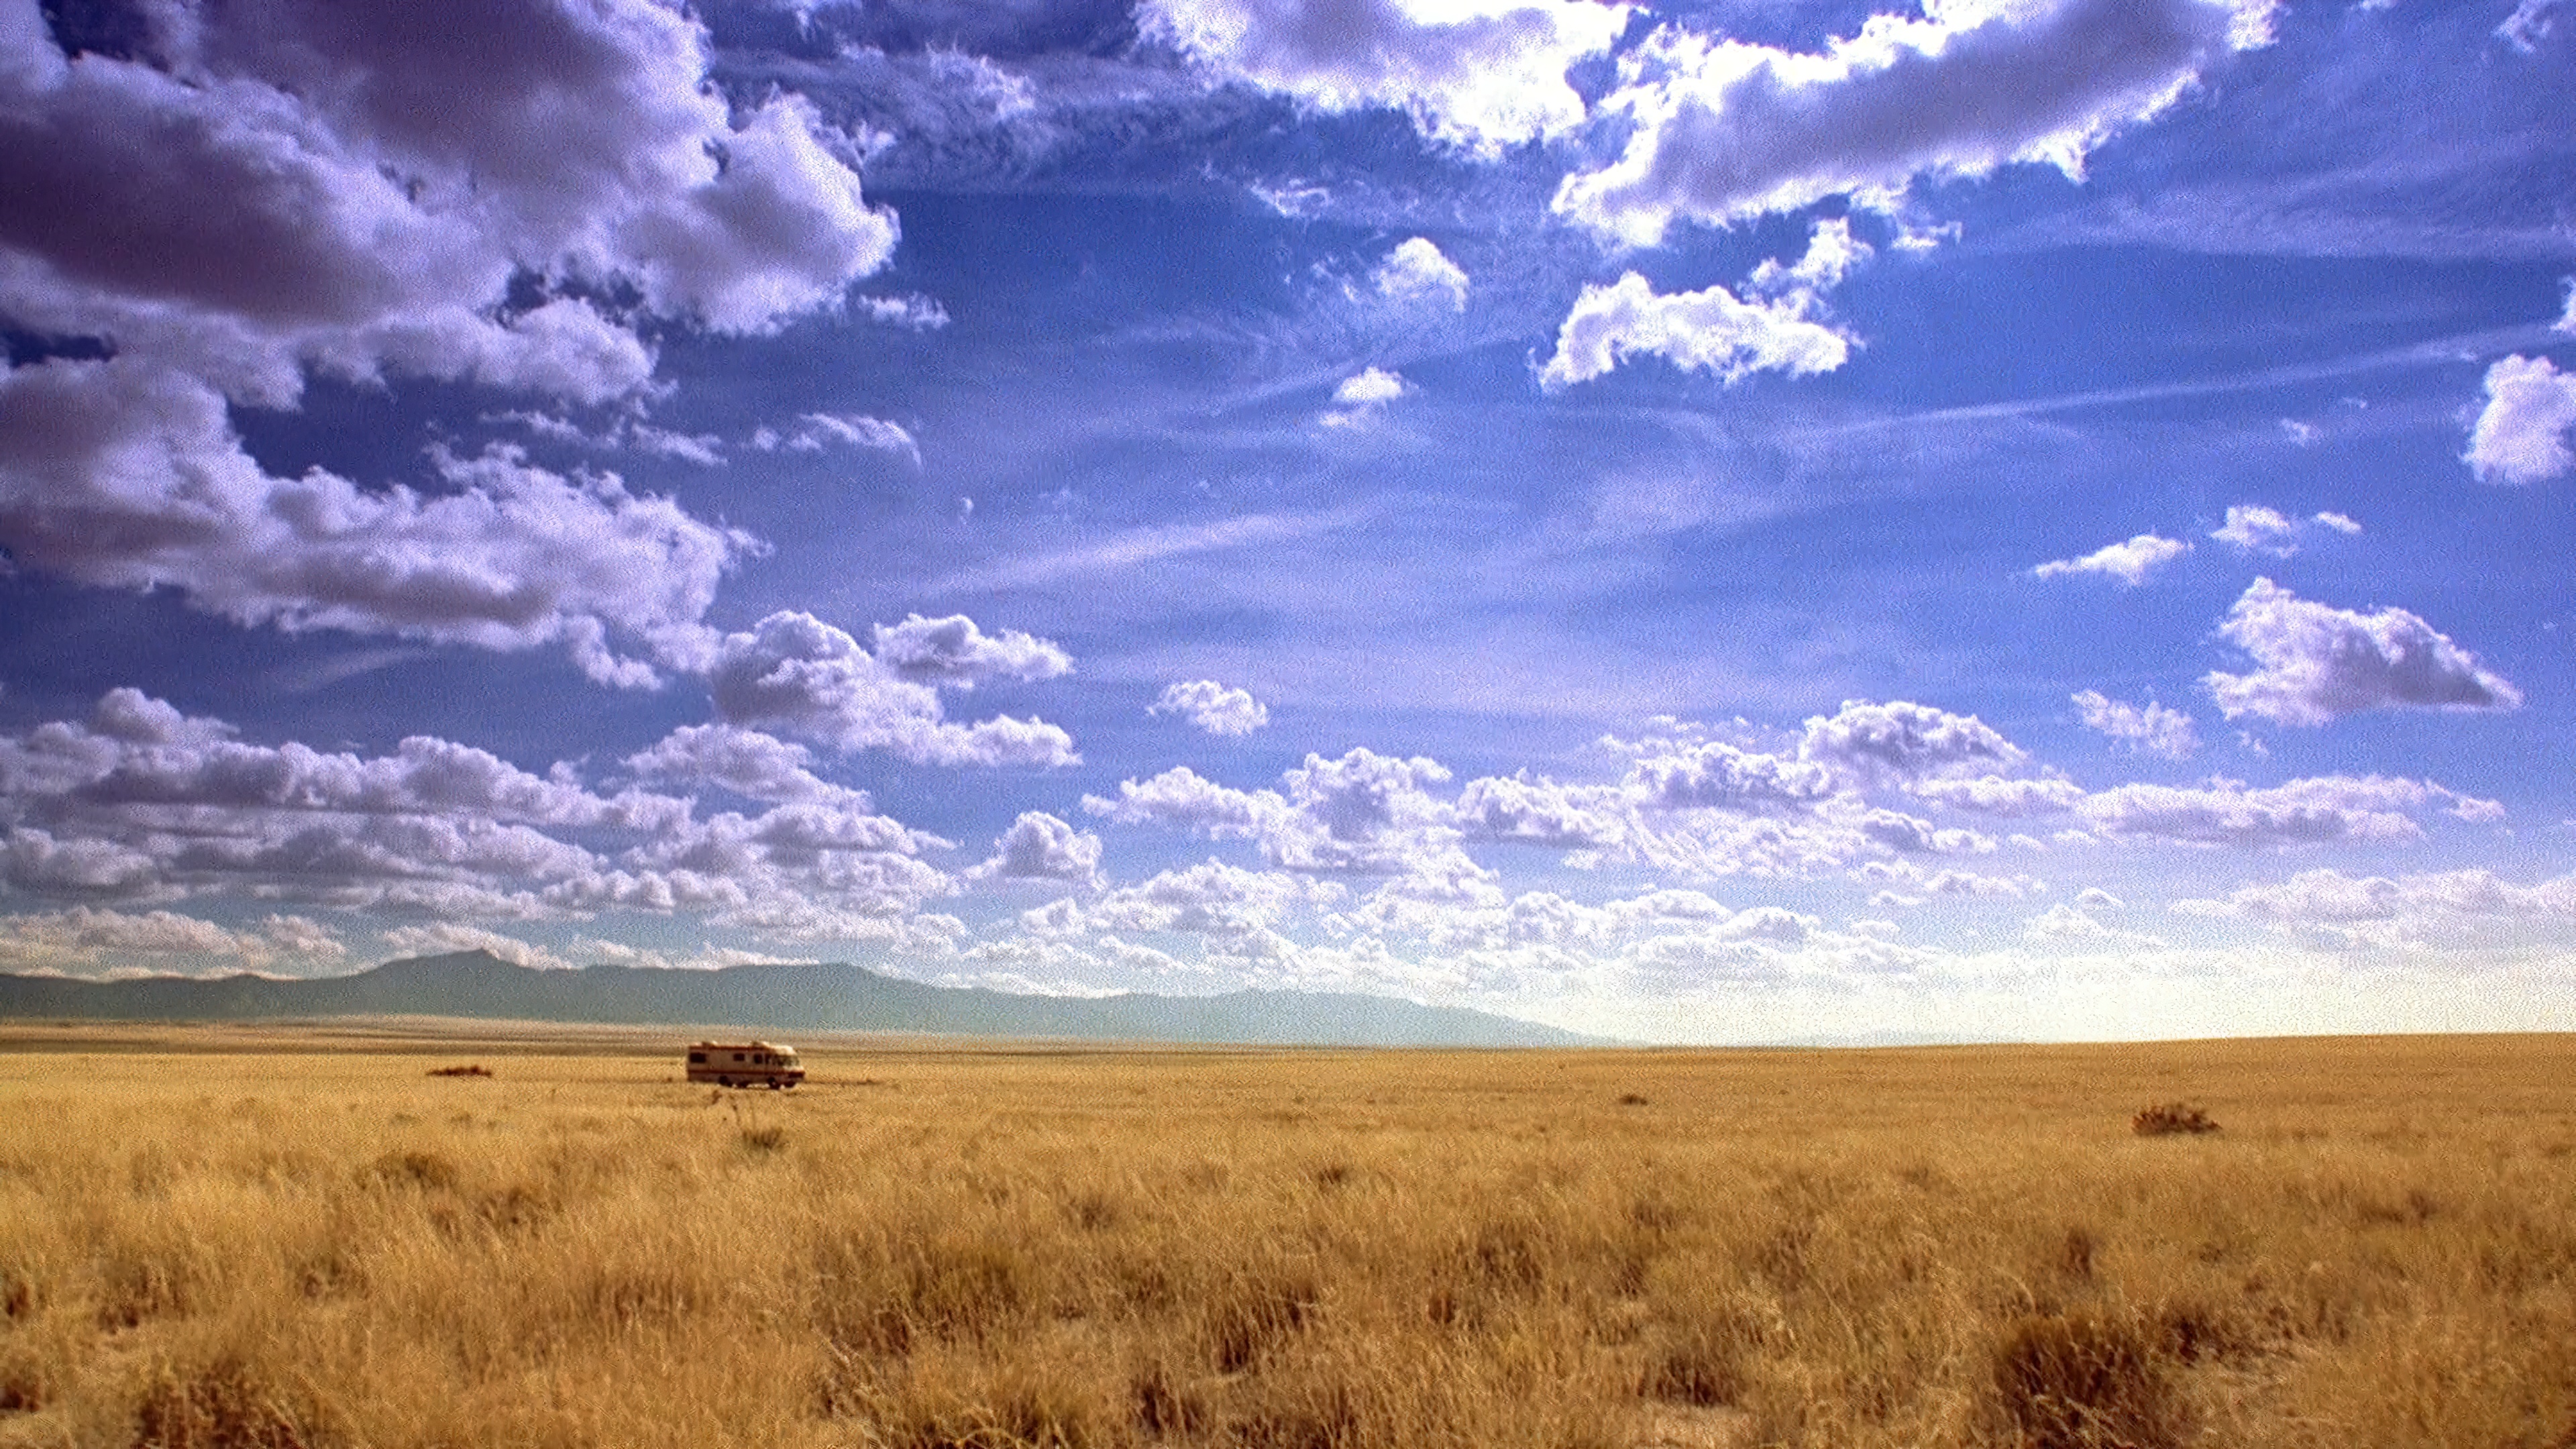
<point x="745" y="1064"/>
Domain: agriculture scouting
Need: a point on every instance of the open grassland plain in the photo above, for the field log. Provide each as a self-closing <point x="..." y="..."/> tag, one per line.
<point x="301" y="1237"/>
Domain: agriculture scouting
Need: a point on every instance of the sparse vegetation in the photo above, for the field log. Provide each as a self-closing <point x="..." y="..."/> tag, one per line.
<point x="292" y="1243"/>
<point x="470" y="1069"/>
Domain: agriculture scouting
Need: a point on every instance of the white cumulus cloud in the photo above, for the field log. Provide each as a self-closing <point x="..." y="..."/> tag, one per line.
<point x="814" y="432"/>
<point x="1213" y="707"/>
<point x="1363" y="395"/>
<point x="2129" y="562"/>
<point x="2155" y="729"/>
<point x="2316" y="663"/>
<point x="1711" y="330"/>
<point x="2520" y="435"/>
<point x="2315" y="811"/>
<point x="954" y="653"/>
<point x="142" y="803"/>
<point x="1038" y="846"/>
<point x="1727" y="130"/>
<point x="1478" y="73"/>
<point x="2254" y="528"/>
<point x="797" y="673"/>
<point x="1773" y="327"/>
<point x="1416" y="271"/>
<point x="87" y="938"/>
<point x="1906" y="739"/>
<point x="2530" y="23"/>
<point x="1362" y="814"/>
<point x="2328" y="906"/>
<point x="914" y="313"/>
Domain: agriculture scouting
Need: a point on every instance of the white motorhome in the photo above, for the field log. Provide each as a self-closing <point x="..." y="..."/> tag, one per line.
<point x="745" y="1064"/>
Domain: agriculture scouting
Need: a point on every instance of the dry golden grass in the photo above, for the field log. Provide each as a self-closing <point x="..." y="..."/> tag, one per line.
<point x="301" y="1238"/>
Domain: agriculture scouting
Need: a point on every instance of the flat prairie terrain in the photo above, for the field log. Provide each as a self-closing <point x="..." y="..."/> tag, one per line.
<point x="300" y="1237"/>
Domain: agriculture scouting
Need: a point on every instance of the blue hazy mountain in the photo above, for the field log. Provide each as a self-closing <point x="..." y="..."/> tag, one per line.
<point x="776" y="998"/>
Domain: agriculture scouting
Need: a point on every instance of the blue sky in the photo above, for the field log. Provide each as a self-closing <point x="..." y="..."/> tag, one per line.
<point x="1717" y="522"/>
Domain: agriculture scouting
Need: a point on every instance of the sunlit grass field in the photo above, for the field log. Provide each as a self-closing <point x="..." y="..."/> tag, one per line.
<point x="231" y="1237"/>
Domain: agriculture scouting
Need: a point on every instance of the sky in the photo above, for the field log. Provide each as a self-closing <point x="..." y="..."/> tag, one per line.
<point x="1720" y="522"/>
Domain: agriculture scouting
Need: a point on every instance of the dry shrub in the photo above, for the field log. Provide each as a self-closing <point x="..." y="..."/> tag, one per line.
<point x="2417" y="1208"/>
<point x="2193" y="1329"/>
<point x="141" y="1285"/>
<point x="1095" y="1210"/>
<point x="217" y="1405"/>
<point x="1654" y="1215"/>
<point x="964" y="1287"/>
<point x="2075" y="1254"/>
<point x="470" y="1069"/>
<point x="2172" y="1119"/>
<point x="854" y="1307"/>
<point x="2085" y="1381"/>
<point x="517" y="1208"/>
<point x="763" y="1141"/>
<point x="1784" y="1256"/>
<point x="1701" y="1360"/>
<point x="24" y="1384"/>
<point x="1166" y="1407"/>
<point x="1246" y="1318"/>
<point x="414" y="1169"/>
<point x="631" y="1293"/>
<point x="965" y="1406"/>
<point x="1511" y="1254"/>
<point x="1314" y="1412"/>
<point x="879" y="1298"/>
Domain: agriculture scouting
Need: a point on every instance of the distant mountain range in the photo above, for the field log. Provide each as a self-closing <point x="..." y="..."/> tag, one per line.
<point x="777" y="999"/>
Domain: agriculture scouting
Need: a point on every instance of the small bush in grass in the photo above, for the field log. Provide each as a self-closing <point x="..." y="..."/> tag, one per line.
<point x="216" y="1406"/>
<point x="761" y="1141"/>
<point x="2084" y="1381"/>
<point x="22" y="1384"/>
<point x="1701" y="1361"/>
<point x="2171" y="1119"/>
<point x="470" y="1069"/>
<point x="2076" y="1252"/>
<point x="964" y="1287"/>
<point x="427" y="1171"/>
<point x="1165" y="1407"/>
<point x="1256" y="1311"/>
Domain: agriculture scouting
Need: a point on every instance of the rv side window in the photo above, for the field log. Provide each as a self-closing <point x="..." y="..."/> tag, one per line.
<point x="737" y="1056"/>
<point x="697" y="1059"/>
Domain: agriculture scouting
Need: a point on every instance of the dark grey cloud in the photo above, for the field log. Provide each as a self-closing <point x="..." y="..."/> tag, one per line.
<point x="122" y="475"/>
<point x="235" y="198"/>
